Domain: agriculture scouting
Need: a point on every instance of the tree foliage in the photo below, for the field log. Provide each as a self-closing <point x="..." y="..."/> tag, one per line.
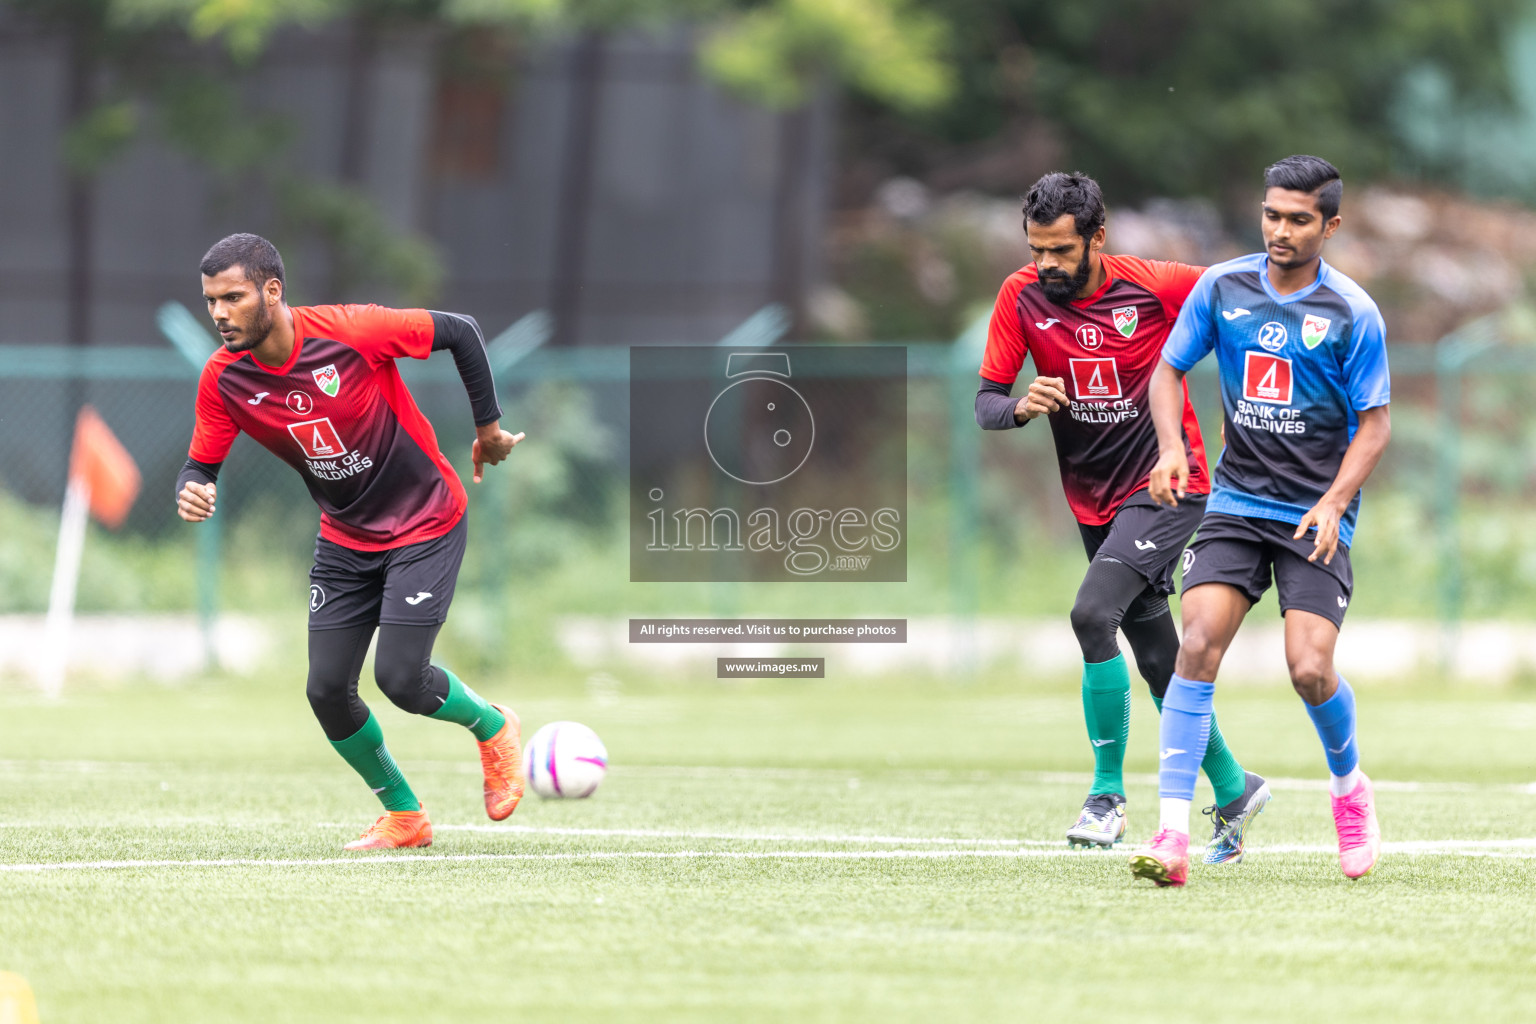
<point x="1176" y="97"/>
<point x="1170" y="97"/>
<point x="768" y="52"/>
<point x="243" y="25"/>
<point x="884" y="48"/>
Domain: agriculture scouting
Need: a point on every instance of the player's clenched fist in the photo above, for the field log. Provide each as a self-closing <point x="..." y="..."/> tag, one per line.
<point x="1045" y="395"/>
<point x="195" y="502"/>
<point x="1169" y="477"/>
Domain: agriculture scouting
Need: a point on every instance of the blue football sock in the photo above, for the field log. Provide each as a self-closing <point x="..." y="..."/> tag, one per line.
<point x="1335" y="722"/>
<point x="1183" y="733"/>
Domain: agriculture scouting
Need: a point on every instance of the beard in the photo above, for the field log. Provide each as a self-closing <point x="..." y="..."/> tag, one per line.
<point x="1061" y="287"/>
<point x="253" y="335"/>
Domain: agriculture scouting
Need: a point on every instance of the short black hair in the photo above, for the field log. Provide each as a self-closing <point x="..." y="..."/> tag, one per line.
<point x="1313" y="174"/>
<point x="1058" y="193"/>
<point x="255" y="255"/>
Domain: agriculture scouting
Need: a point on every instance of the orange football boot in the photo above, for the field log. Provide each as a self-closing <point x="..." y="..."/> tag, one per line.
<point x="501" y="758"/>
<point x="393" y="830"/>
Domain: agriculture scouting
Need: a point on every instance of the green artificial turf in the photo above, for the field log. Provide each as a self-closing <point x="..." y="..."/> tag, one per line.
<point x="778" y="851"/>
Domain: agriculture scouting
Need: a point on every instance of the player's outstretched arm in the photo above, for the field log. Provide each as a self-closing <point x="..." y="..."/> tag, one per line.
<point x="492" y="444"/>
<point x="1360" y="458"/>
<point x="1170" y="477"/>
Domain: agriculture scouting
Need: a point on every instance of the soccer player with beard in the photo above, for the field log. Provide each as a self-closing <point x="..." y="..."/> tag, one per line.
<point x="1095" y="324"/>
<point x="1305" y="390"/>
<point x="318" y="387"/>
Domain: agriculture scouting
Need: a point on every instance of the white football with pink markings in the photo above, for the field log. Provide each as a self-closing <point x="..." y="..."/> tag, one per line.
<point x="565" y="760"/>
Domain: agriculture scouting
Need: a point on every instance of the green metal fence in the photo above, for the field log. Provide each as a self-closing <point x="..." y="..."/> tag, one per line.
<point x="990" y="497"/>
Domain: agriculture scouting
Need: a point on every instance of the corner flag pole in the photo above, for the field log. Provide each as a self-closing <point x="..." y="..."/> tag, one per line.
<point x="104" y="482"/>
<point x="66" y="577"/>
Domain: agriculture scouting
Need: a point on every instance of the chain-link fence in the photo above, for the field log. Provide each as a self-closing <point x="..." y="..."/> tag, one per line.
<point x="1445" y="531"/>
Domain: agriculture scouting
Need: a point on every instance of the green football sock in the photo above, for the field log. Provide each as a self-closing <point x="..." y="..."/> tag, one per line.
<point x="365" y="751"/>
<point x="1107" y="712"/>
<point x="1227" y="777"/>
<point x="467" y="708"/>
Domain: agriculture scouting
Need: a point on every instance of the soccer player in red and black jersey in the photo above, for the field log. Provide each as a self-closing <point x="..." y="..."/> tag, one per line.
<point x="317" y="386"/>
<point x="1095" y="324"/>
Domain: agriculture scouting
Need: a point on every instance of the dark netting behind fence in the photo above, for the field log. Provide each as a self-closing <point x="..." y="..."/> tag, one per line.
<point x="1444" y="529"/>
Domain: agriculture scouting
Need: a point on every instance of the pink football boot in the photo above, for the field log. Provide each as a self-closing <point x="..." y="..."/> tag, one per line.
<point x="1166" y="862"/>
<point x="1354" y="817"/>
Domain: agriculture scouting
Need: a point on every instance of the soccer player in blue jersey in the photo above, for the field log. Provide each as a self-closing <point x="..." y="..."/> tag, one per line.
<point x="1305" y="392"/>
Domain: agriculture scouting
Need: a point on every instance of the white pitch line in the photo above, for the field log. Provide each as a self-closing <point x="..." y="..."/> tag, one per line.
<point x="1431" y="847"/>
<point x="757" y="837"/>
<point x="1522" y="849"/>
<point x="831" y="774"/>
<point x="1058" y="778"/>
<point x="1046" y="777"/>
<point x="1395" y="846"/>
<point x="453" y="858"/>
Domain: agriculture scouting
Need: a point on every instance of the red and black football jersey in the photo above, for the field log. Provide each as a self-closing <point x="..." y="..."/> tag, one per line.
<point x="338" y="412"/>
<point x="1105" y="348"/>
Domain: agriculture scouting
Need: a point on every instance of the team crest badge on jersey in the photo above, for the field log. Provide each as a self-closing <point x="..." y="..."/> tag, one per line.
<point x="328" y="380"/>
<point x="1267" y="379"/>
<point x="318" y="438"/>
<point x="1095" y="379"/>
<point x="1314" y="330"/>
<point x="1125" y="320"/>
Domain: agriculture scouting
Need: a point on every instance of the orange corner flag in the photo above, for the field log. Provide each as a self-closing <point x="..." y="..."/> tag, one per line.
<point x="100" y="461"/>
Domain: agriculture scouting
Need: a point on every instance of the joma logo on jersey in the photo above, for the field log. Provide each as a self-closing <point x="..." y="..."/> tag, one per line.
<point x="1267" y="379"/>
<point x="1095" y="378"/>
<point x="1090" y="337"/>
<point x="318" y="438"/>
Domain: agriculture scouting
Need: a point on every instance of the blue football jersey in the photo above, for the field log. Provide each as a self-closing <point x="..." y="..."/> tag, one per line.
<point x="1294" y="371"/>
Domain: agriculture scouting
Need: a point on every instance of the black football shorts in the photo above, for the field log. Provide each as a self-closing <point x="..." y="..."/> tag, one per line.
<point x="1146" y="536"/>
<point x="1244" y="553"/>
<point x="407" y="586"/>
